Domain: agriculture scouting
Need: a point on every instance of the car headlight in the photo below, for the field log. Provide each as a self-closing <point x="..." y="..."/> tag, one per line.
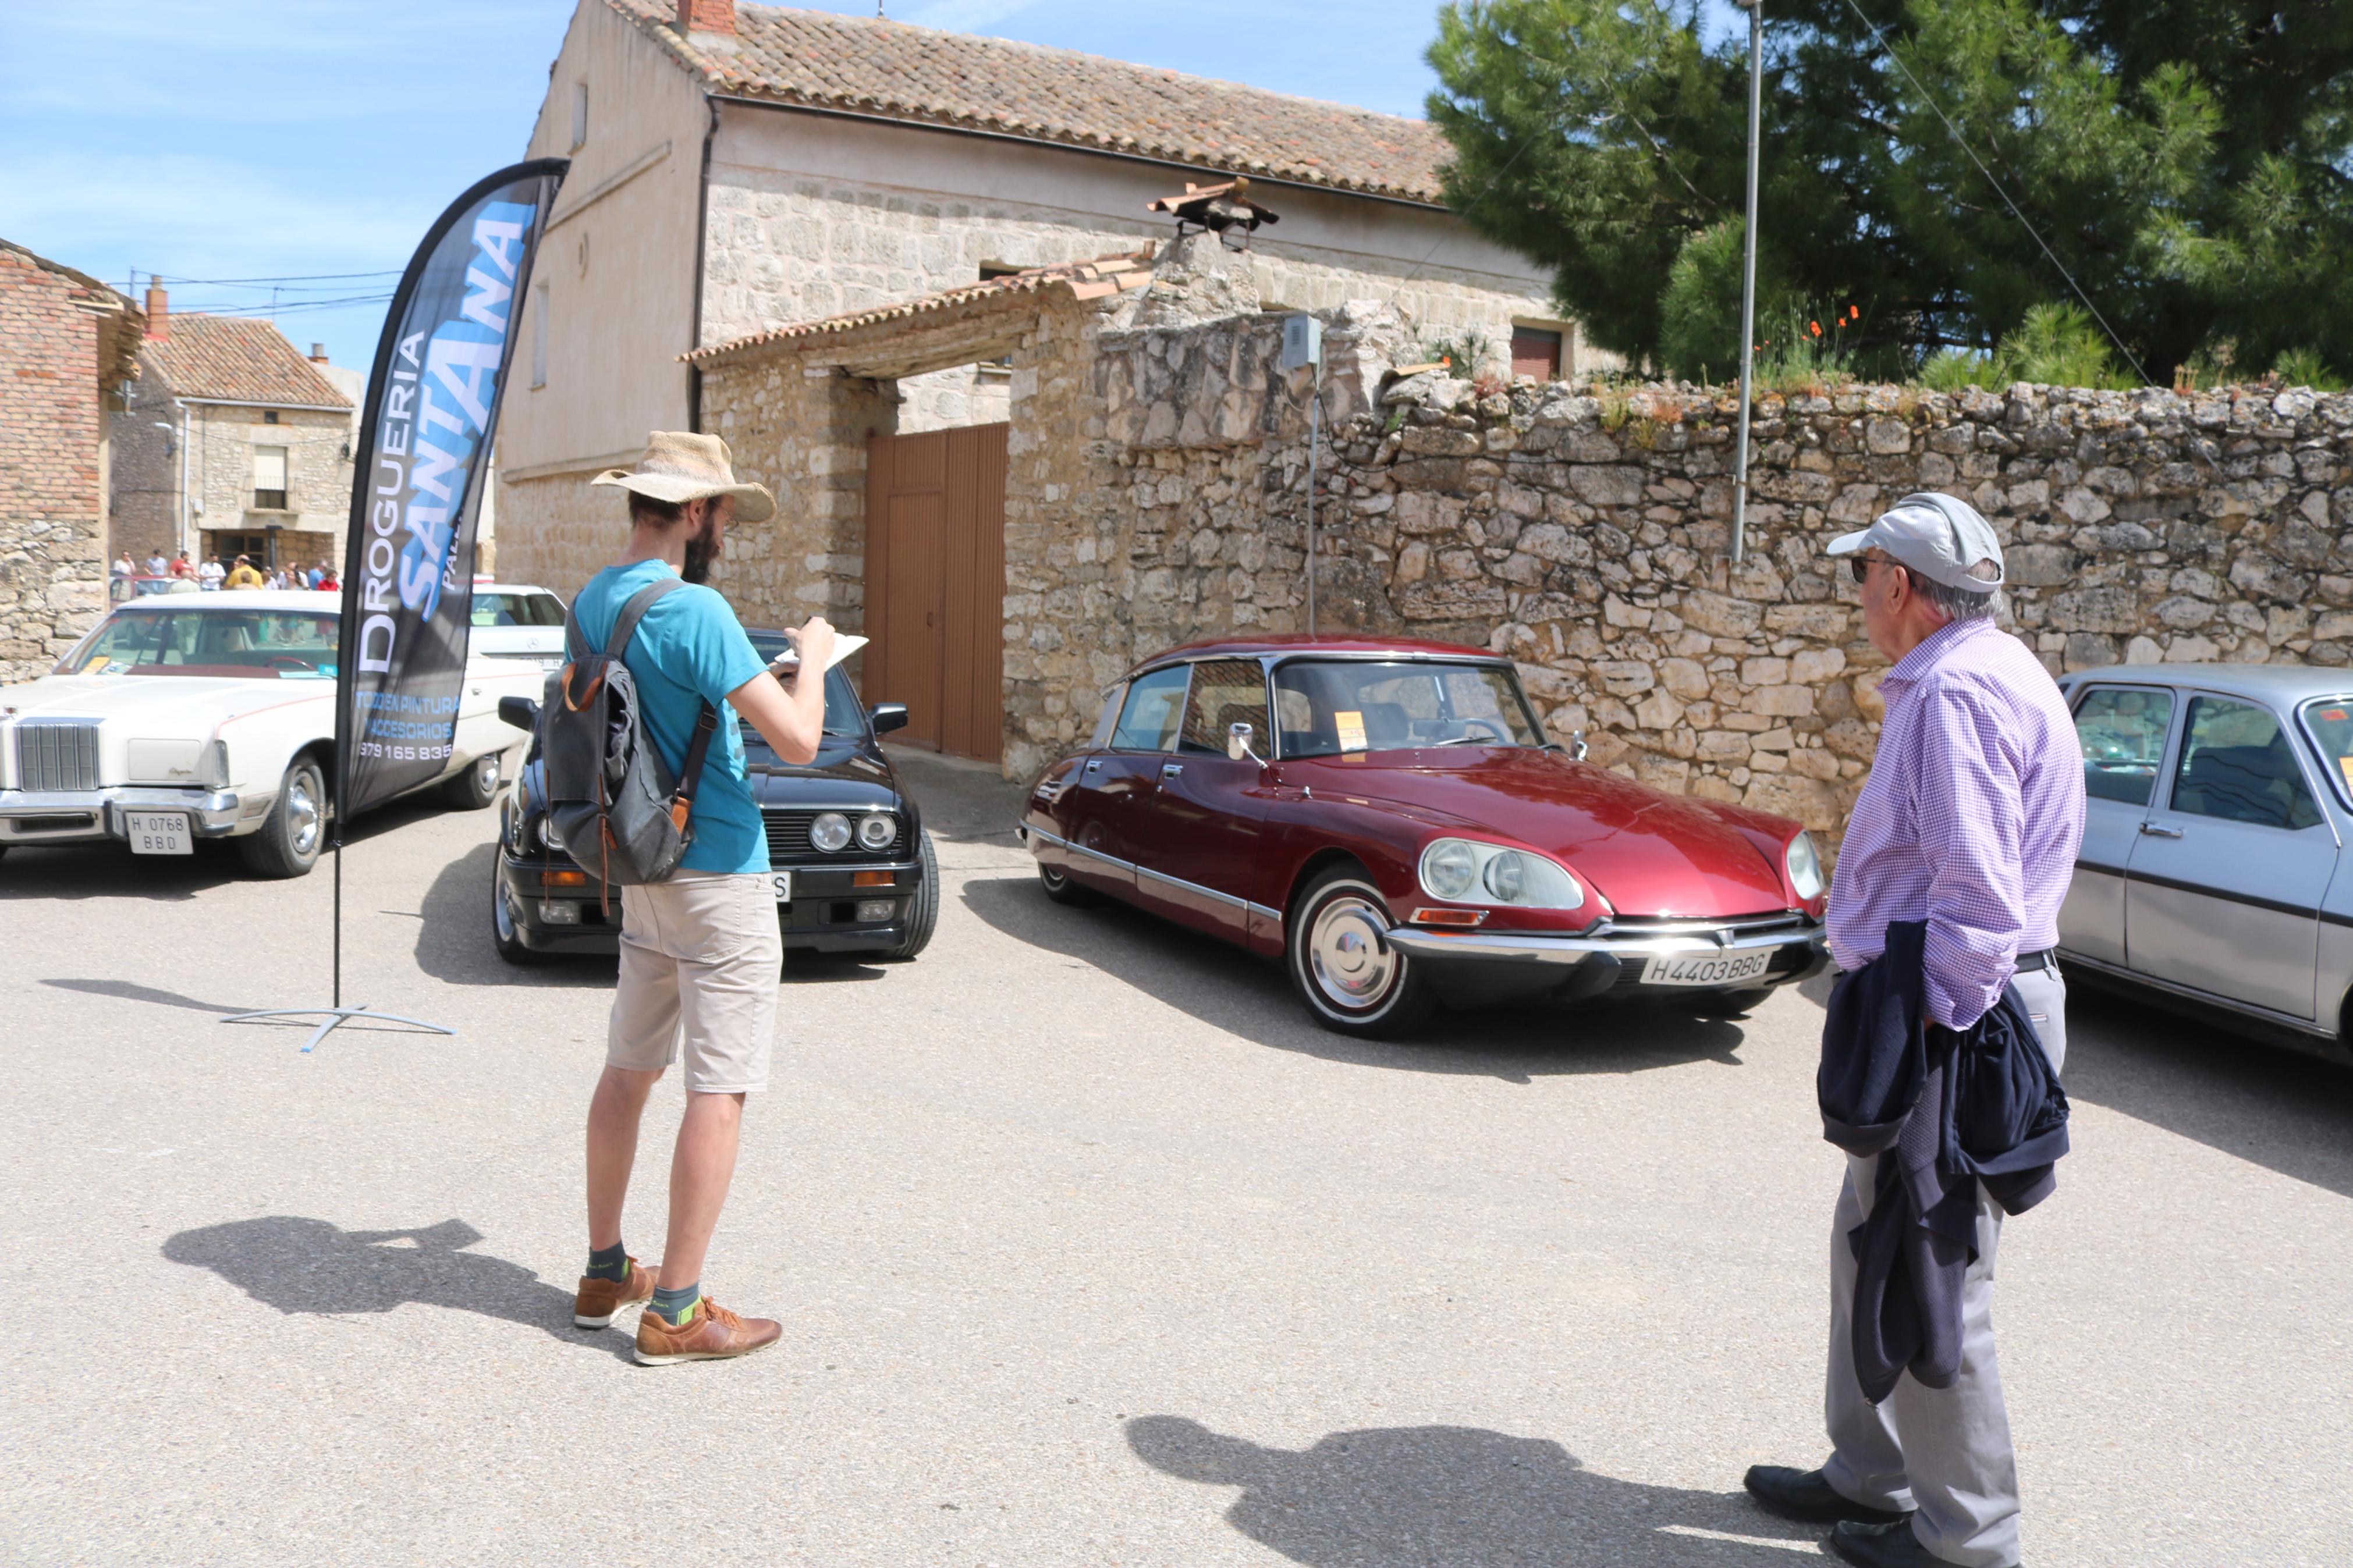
<point x="831" y="831"/>
<point x="548" y="835"/>
<point x="878" y="831"/>
<point x="1460" y="870"/>
<point x="1805" y="866"/>
<point x="1450" y="868"/>
<point x="212" y="768"/>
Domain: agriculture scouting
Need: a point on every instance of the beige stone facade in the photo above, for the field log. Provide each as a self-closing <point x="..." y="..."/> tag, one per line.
<point x="709" y="198"/>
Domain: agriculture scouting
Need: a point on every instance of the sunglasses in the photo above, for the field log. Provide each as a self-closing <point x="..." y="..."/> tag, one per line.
<point x="1859" y="567"/>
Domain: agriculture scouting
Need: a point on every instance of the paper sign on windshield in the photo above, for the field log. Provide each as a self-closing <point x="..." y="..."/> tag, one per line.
<point x="1351" y="728"/>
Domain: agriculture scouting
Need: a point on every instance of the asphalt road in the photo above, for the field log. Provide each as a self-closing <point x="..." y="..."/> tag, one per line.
<point x="1090" y="1250"/>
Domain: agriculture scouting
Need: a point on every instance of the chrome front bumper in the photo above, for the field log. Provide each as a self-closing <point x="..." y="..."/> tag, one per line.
<point x="1643" y="941"/>
<point x="66" y="816"/>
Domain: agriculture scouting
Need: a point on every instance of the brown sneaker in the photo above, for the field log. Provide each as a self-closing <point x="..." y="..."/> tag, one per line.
<point x="598" y="1300"/>
<point x="711" y="1332"/>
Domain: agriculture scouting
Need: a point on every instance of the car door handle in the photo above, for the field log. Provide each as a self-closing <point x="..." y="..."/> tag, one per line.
<point x="1170" y="769"/>
<point x="1094" y="767"/>
<point x="2154" y="831"/>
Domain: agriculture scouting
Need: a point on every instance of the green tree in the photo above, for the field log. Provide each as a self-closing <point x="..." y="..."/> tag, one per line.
<point x="2190" y="162"/>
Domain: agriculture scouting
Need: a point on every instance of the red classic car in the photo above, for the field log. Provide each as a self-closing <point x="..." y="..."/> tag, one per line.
<point x="1390" y="818"/>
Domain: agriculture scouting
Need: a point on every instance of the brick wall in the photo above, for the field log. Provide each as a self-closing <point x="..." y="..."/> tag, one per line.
<point x="52" y="478"/>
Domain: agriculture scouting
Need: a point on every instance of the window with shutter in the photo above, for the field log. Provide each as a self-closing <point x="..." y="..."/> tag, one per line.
<point x="1535" y="352"/>
<point x="269" y="479"/>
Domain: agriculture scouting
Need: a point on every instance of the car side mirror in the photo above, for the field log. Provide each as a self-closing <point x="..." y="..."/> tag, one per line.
<point x="1238" y="744"/>
<point x="520" y="712"/>
<point x="887" y="716"/>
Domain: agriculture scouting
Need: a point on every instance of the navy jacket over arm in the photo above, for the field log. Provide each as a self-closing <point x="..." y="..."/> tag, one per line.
<point x="1948" y="1110"/>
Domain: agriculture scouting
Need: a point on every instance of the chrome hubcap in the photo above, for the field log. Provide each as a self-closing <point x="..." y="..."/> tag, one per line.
<point x="500" y="916"/>
<point x="1349" y="953"/>
<point x="301" y="814"/>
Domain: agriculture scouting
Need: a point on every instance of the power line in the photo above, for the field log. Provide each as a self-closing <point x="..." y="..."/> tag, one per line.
<point x="1955" y="133"/>
<point x="263" y="282"/>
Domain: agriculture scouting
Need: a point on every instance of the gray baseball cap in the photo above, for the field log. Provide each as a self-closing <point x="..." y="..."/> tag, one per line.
<point x="1938" y="536"/>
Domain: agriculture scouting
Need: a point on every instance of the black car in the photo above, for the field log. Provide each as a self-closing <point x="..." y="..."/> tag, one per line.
<point x="846" y="848"/>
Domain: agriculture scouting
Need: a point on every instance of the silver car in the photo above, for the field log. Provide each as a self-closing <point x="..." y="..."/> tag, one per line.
<point x="2215" y="864"/>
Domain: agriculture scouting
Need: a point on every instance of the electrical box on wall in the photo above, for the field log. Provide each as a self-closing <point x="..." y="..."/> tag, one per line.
<point x="1303" y="340"/>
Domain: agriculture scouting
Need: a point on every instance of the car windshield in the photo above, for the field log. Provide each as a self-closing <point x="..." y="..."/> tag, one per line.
<point x="500" y="607"/>
<point x="2329" y="723"/>
<point x="257" y="644"/>
<point x="1324" y="708"/>
<point x="844" y="714"/>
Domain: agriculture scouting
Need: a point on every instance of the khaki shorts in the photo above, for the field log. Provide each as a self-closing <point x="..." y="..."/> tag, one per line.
<point x="702" y="956"/>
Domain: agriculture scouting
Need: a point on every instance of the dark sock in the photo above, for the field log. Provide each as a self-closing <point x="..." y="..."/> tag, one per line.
<point x="609" y="1263"/>
<point x="674" y="1305"/>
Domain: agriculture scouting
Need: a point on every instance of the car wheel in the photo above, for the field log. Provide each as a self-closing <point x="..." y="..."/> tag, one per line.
<point x="474" y="788"/>
<point x="287" y="842"/>
<point x="923" y="908"/>
<point x="503" y="933"/>
<point x="1341" y="963"/>
<point x="1060" y="888"/>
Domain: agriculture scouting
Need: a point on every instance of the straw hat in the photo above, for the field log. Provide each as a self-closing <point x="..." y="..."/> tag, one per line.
<point x="680" y="465"/>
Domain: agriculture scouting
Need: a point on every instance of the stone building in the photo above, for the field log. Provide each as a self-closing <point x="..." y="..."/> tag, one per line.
<point x="1155" y="480"/>
<point x="67" y="352"/>
<point x="737" y="167"/>
<point x="232" y="443"/>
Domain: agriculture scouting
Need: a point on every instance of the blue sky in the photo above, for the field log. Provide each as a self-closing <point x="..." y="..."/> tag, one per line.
<point x="242" y="139"/>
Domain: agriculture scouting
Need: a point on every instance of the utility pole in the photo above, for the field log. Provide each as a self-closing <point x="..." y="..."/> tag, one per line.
<point x="1756" y="9"/>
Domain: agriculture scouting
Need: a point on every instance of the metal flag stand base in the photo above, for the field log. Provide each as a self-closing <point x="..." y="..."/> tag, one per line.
<point x="336" y="1017"/>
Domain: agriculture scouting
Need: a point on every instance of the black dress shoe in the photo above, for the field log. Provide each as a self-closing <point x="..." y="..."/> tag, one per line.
<point x="1806" y="1496"/>
<point x="1882" y="1546"/>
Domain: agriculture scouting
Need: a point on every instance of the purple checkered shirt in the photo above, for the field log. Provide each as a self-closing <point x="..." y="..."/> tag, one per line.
<point x="1970" y="819"/>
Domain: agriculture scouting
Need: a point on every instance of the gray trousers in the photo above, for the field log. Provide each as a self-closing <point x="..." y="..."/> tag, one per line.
<point x="1945" y="1451"/>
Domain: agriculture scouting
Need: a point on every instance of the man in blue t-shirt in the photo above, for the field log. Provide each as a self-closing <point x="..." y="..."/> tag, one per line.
<point x="701" y="951"/>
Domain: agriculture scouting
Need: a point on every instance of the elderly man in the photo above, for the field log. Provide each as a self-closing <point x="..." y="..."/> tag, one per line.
<point x="1969" y="823"/>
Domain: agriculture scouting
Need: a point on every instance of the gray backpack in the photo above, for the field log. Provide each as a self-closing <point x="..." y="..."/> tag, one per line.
<point x="610" y="796"/>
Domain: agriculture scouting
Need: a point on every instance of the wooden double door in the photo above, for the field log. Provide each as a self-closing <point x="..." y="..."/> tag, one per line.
<point x="935" y="585"/>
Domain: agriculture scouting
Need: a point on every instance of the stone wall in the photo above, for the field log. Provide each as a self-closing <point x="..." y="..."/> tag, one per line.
<point x="1157" y="492"/>
<point x="1585" y="535"/>
<point x="52" y="467"/>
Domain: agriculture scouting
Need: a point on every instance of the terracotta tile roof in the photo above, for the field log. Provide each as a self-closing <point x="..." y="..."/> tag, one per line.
<point x="869" y="66"/>
<point x="1106" y="275"/>
<point x="238" y="361"/>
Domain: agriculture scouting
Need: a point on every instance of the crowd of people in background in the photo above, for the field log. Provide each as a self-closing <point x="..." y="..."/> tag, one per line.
<point x="181" y="575"/>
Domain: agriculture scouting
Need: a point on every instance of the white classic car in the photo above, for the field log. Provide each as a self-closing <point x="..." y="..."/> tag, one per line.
<point x="513" y="621"/>
<point x="212" y="716"/>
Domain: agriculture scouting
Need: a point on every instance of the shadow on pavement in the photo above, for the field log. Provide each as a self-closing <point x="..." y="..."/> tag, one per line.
<point x="312" y="1266"/>
<point x="963" y="801"/>
<point x="128" y="992"/>
<point x="1419" y="1497"/>
<point x="2279" y="1109"/>
<point x="1246" y="996"/>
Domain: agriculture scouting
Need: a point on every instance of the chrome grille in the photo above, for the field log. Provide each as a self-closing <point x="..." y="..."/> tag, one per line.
<point x="56" y="753"/>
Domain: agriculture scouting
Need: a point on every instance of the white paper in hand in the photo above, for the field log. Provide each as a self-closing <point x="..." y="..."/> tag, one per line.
<point x="789" y="661"/>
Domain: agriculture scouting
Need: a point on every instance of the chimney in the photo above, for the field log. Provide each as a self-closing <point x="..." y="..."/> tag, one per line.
<point x="159" y="315"/>
<point x="318" y="353"/>
<point x="707" y="16"/>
